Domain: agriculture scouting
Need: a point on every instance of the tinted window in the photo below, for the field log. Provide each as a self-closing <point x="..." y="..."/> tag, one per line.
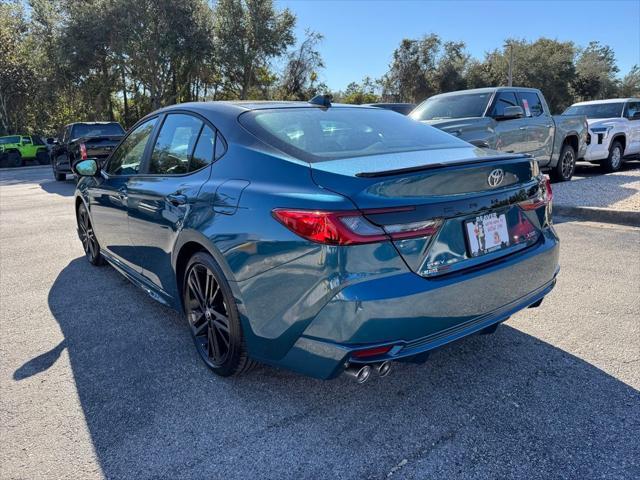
<point x="596" y="110"/>
<point x="126" y="159"/>
<point x="96" y="130"/>
<point x="531" y="104"/>
<point x="315" y="134"/>
<point x="174" y="145"/>
<point x="502" y="101"/>
<point x="632" y="109"/>
<point x="221" y="146"/>
<point x="7" y="140"/>
<point x="26" y="139"/>
<point x="452" y="106"/>
<point x="203" y="153"/>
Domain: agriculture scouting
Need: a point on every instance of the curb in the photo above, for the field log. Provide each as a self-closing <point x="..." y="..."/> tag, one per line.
<point x="601" y="215"/>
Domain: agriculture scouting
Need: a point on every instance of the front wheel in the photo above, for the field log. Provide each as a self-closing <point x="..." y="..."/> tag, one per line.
<point x="614" y="160"/>
<point x="213" y="317"/>
<point x="563" y="171"/>
<point x="88" y="237"/>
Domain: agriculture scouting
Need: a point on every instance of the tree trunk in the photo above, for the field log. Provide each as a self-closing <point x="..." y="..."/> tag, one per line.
<point x="124" y="99"/>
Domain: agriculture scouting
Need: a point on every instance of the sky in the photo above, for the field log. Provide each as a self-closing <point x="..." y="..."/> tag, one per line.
<point x="360" y="36"/>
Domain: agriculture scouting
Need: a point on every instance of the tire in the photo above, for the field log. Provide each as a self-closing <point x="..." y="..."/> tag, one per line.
<point x="60" y="177"/>
<point x="213" y="318"/>
<point x="14" y="159"/>
<point x="43" y="158"/>
<point x="614" y="161"/>
<point x="88" y="237"/>
<point x="563" y="171"/>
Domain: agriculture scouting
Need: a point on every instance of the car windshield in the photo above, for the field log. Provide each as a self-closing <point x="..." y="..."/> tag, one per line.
<point x="6" y="140"/>
<point x="596" y="110"/>
<point x="96" y="130"/>
<point x="314" y="134"/>
<point x="452" y="106"/>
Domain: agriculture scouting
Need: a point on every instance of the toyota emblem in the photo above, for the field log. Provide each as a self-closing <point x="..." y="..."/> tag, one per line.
<point x="495" y="178"/>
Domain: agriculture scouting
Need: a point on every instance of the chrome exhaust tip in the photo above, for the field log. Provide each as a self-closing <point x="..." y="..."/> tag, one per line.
<point x="383" y="369"/>
<point x="360" y="373"/>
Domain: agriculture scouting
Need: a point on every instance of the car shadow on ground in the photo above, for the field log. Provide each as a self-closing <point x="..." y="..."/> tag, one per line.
<point x="502" y="405"/>
<point x="42" y="177"/>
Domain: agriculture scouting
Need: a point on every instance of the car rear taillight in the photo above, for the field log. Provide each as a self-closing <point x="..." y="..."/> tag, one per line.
<point x="372" y="352"/>
<point x="543" y="197"/>
<point x="350" y="227"/>
<point x="83" y="151"/>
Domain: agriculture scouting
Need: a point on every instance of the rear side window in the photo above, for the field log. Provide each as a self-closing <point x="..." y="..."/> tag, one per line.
<point x="126" y="159"/>
<point x="531" y="104"/>
<point x="632" y="108"/>
<point x="502" y="101"/>
<point x="26" y="139"/>
<point x="175" y="145"/>
<point x="314" y="134"/>
<point x="203" y="153"/>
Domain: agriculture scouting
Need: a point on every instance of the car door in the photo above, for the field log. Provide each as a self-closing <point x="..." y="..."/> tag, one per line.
<point x="161" y="199"/>
<point x="539" y="126"/>
<point x="632" y="114"/>
<point x="108" y="198"/>
<point x="511" y="133"/>
<point x="28" y="149"/>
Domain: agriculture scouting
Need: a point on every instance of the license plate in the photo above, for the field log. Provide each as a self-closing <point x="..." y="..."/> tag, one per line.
<point x="487" y="233"/>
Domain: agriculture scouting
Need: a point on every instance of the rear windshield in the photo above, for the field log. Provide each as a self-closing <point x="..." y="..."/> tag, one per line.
<point x="314" y="134"/>
<point x="96" y="130"/>
<point x="6" y="140"/>
<point x="596" y="110"/>
<point x="452" y="106"/>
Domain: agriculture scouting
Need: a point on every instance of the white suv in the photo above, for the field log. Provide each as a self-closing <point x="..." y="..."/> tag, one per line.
<point x="614" y="130"/>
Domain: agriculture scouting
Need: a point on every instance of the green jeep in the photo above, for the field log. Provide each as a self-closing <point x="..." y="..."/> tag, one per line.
<point x="15" y="149"/>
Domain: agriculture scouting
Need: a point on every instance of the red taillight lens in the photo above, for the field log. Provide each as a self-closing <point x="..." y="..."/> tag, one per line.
<point x="372" y="352"/>
<point x="350" y="227"/>
<point x="83" y="151"/>
<point x="544" y="196"/>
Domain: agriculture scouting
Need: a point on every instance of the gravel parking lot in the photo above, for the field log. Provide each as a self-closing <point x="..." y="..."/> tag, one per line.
<point x="97" y="380"/>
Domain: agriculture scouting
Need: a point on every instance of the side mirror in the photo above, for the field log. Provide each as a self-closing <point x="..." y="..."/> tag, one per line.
<point x="86" y="168"/>
<point x="511" y="113"/>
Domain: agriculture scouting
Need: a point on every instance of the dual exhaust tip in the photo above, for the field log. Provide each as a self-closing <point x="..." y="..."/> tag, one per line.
<point x="362" y="373"/>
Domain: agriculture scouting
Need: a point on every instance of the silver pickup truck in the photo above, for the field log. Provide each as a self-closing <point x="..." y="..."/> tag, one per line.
<point x="513" y="120"/>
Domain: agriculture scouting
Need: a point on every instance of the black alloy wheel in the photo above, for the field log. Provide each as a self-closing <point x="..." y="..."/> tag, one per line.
<point x="88" y="237"/>
<point x="213" y="317"/>
<point x="563" y="171"/>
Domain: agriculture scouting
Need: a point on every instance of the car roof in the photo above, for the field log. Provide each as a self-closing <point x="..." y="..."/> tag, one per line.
<point x="486" y="90"/>
<point x="608" y="100"/>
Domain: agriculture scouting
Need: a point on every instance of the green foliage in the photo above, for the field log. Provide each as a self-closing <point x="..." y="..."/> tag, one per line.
<point x="359" y="93"/>
<point x="595" y="73"/>
<point x="630" y="85"/>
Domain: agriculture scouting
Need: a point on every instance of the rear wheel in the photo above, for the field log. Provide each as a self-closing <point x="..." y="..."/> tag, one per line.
<point x="59" y="176"/>
<point x="14" y="159"/>
<point x="614" y="160"/>
<point x="563" y="171"/>
<point x="213" y="317"/>
<point x="88" y="237"/>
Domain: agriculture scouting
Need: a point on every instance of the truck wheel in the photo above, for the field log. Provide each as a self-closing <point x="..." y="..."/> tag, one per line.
<point x="563" y="171"/>
<point x="61" y="177"/>
<point x="43" y="158"/>
<point x="614" y="160"/>
<point x="14" y="159"/>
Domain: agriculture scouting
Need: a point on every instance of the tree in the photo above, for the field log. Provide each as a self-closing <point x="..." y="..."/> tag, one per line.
<point x="630" y="85"/>
<point x="249" y="33"/>
<point x="451" y="68"/>
<point x="595" y="72"/>
<point x="544" y="64"/>
<point x="359" y="93"/>
<point x="301" y="71"/>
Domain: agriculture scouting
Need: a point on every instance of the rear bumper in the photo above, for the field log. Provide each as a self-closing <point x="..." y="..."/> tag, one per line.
<point x="415" y="315"/>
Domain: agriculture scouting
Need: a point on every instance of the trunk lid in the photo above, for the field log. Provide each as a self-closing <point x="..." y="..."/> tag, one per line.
<point x="452" y="185"/>
<point x="100" y="146"/>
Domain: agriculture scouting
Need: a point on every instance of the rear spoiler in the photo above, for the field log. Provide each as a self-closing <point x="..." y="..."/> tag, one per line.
<point x="433" y="166"/>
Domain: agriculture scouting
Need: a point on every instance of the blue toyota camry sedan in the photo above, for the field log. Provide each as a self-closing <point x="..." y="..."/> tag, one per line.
<point x="320" y="238"/>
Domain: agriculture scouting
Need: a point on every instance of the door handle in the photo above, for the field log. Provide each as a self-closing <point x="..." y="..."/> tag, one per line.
<point x="549" y="126"/>
<point x="523" y="128"/>
<point x="177" y="199"/>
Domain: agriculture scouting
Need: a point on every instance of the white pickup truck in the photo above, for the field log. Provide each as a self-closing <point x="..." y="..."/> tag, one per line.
<point x="614" y="130"/>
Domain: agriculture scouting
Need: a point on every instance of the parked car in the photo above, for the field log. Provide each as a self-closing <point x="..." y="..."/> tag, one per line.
<point x="317" y="237"/>
<point x="16" y="149"/>
<point x="512" y="120"/>
<point x="614" y="130"/>
<point x="84" y="140"/>
<point x="403" y="108"/>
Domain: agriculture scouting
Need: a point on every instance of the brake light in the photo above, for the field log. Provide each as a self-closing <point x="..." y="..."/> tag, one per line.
<point x="83" y="151"/>
<point x="350" y="227"/>
<point x="543" y="197"/>
<point x="372" y="352"/>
